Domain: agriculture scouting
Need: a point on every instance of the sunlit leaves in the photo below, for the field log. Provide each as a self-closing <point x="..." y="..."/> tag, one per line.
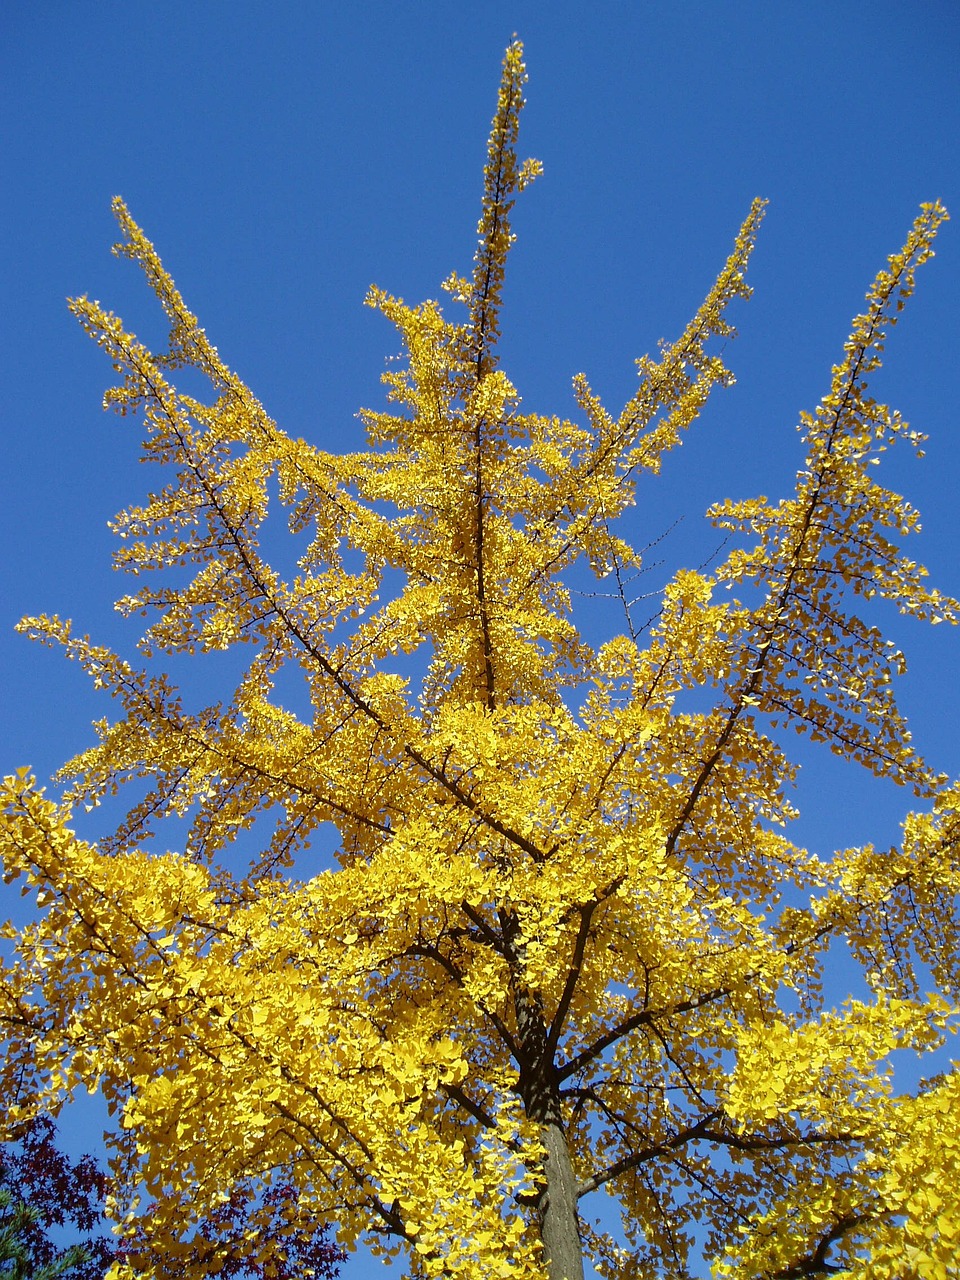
<point x="563" y="907"/>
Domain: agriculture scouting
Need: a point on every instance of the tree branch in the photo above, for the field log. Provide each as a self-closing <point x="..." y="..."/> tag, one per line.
<point x="637" y="1158"/>
<point x="570" y="986"/>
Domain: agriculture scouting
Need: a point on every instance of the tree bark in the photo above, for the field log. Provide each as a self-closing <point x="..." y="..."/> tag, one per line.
<point x="540" y="1090"/>
<point x="559" y="1229"/>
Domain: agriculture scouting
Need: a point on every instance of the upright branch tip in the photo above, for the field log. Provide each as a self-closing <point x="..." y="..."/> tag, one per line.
<point x="503" y="177"/>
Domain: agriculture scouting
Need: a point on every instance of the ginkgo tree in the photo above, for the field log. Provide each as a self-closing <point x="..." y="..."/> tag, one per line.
<point x="566" y="944"/>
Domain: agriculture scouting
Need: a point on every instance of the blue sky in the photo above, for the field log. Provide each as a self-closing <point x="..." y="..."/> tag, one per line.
<point x="285" y="156"/>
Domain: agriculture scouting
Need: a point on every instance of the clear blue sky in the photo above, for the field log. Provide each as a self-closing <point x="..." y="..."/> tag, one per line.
<point x="284" y="156"/>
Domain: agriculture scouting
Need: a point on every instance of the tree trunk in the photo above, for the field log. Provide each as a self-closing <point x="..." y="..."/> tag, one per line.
<point x="559" y="1230"/>
<point x="539" y="1088"/>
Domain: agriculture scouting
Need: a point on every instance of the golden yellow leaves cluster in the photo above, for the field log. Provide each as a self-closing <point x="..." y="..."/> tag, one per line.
<point x="565" y="943"/>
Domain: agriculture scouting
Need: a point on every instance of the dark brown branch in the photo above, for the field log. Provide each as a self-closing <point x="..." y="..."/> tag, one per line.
<point x="573" y="977"/>
<point x="334" y="672"/>
<point x="642" y="1018"/>
<point x="755" y="674"/>
<point x="759" y="1143"/>
<point x="479" y="505"/>
<point x="815" y="1263"/>
<point x="637" y="1158"/>
<point x="458" y="1095"/>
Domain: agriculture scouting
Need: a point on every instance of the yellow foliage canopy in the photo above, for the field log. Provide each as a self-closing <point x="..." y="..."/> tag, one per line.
<point x="554" y="951"/>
